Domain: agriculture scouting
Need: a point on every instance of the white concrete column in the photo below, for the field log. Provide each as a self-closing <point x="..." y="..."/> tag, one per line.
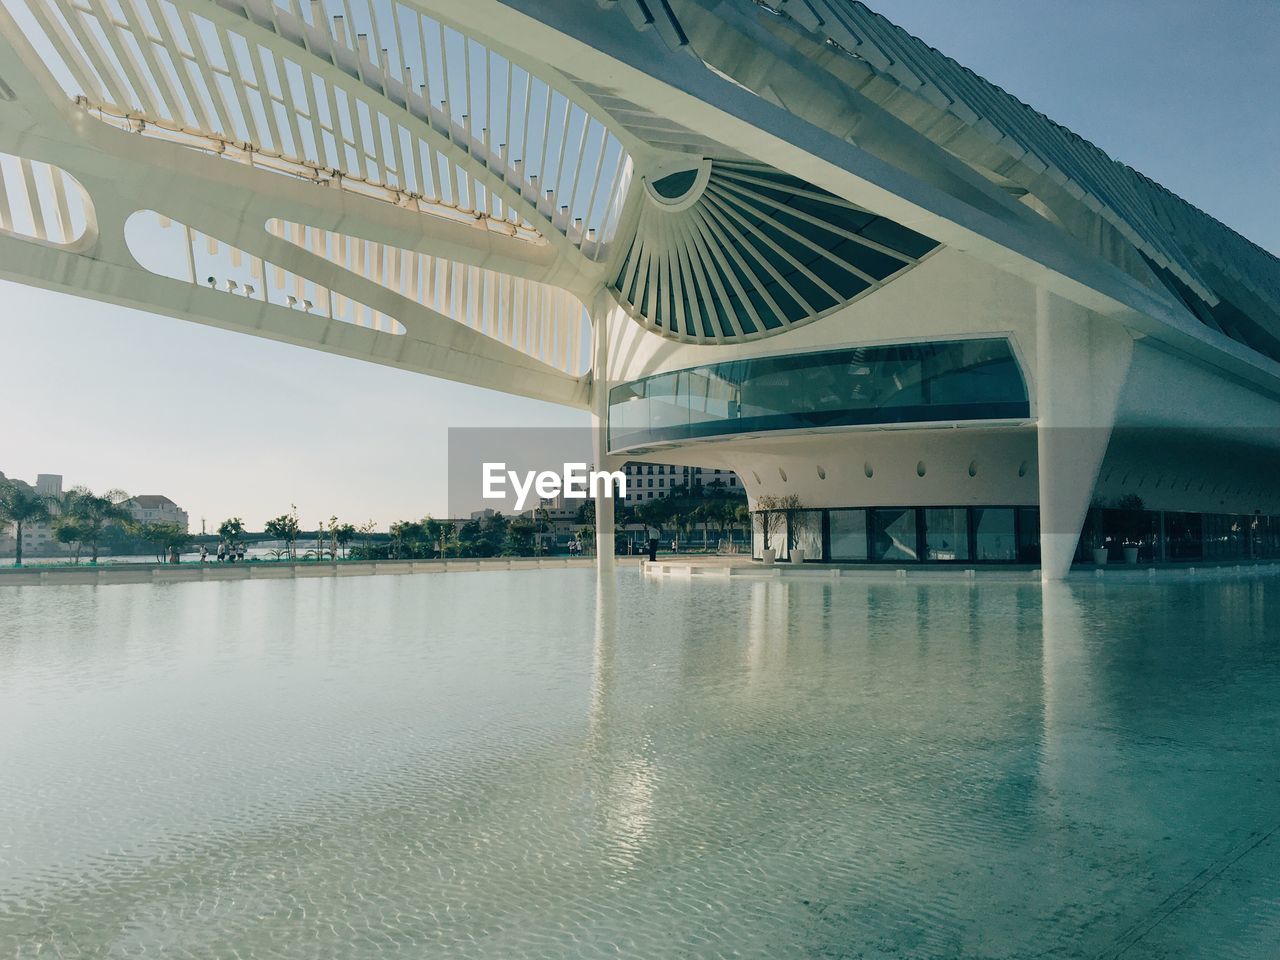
<point x="600" y="327"/>
<point x="1081" y="364"/>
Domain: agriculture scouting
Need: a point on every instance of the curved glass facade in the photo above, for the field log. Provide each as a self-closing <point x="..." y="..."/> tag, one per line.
<point x="943" y="381"/>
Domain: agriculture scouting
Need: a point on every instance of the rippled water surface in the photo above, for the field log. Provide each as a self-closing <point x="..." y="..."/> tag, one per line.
<point x="508" y="765"/>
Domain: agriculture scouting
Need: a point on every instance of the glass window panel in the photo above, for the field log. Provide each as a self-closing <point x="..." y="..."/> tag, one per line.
<point x="995" y="535"/>
<point x="893" y="534"/>
<point x="946" y="533"/>
<point x="1028" y="534"/>
<point x="806" y="533"/>
<point x="908" y="383"/>
<point x="848" y="534"/>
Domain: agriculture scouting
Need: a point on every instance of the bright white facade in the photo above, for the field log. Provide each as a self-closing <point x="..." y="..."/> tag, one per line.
<point x="156" y="508"/>
<point x="784" y="239"/>
<point x="654" y="481"/>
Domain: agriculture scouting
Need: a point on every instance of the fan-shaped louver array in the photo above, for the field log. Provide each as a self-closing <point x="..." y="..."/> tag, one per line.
<point x="749" y="251"/>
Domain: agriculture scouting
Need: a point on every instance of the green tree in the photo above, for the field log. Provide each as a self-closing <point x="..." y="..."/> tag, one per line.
<point x="343" y="534"/>
<point x="541" y="524"/>
<point x="439" y="534"/>
<point x="167" y="540"/>
<point x="585" y="519"/>
<point x="67" y="532"/>
<point x="493" y="534"/>
<point x="285" y="528"/>
<point x="20" y="506"/>
<point x="95" y="513"/>
<point x="231" y="531"/>
<point x="366" y="530"/>
<point x="471" y="539"/>
<point x="520" y="536"/>
<point x="653" y="514"/>
<point x="407" y="539"/>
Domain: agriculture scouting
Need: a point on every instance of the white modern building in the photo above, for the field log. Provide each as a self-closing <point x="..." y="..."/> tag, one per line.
<point x="156" y="508"/>
<point x="781" y="238"/>
<point x="654" y="481"/>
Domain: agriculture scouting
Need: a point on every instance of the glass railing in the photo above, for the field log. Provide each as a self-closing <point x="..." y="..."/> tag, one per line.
<point x="942" y="381"/>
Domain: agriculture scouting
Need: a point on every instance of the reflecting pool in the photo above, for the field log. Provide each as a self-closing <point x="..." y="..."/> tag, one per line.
<point x="507" y="765"/>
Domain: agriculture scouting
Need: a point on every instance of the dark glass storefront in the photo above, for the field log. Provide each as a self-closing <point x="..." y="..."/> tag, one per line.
<point x="1168" y="536"/>
<point x="905" y="535"/>
<point x="979" y="535"/>
<point x="945" y="381"/>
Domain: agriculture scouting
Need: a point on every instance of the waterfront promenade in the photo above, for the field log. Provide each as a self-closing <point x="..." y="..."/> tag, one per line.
<point x="265" y="570"/>
<point x="679" y="567"/>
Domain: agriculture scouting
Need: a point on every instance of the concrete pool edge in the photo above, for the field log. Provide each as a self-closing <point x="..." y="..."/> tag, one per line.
<point x="683" y="568"/>
<point x="271" y="570"/>
<point x="747" y="569"/>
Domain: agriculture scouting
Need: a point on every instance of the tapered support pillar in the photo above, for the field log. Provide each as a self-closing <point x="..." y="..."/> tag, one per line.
<point x="1081" y="364"/>
<point x="599" y="430"/>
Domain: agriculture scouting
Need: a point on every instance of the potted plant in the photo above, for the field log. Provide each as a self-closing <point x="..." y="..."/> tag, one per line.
<point x="1134" y="526"/>
<point x="1094" y="533"/>
<point x="773" y="522"/>
<point x="797" y="520"/>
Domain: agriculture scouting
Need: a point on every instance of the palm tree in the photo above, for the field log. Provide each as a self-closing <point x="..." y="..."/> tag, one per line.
<point x="66" y="532"/>
<point x="93" y="513"/>
<point x="541" y="522"/>
<point x="20" y="506"/>
<point x="343" y="534"/>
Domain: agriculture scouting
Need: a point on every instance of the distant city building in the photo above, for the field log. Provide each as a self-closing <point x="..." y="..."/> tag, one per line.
<point x="37" y="538"/>
<point x="653" y="481"/>
<point x="155" y="508"/>
<point x="49" y="484"/>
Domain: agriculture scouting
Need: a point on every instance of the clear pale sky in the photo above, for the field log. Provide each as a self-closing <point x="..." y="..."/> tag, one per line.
<point x="1184" y="90"/>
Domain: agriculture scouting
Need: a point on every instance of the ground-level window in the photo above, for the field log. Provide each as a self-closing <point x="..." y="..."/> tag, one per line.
<point x="894" y="535"/>
<point x="946" y="533"/>
<point x="848" y="534"/>
<point x="995" y="535"/>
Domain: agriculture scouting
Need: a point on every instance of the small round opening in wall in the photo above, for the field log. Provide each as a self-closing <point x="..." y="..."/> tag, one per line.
<point x="866" y="468"/>
<point x="973" y="468"/>
<point x="1022" y="468"/>
<point x="921" y="470"/>
<point x="822" y="473"/>
<point x="783" y="474"/>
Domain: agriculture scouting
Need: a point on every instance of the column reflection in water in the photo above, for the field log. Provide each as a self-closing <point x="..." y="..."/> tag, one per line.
<point x="768" y="630"/>
<point x="622" y="764"/>
<point x="1158" y="736"/>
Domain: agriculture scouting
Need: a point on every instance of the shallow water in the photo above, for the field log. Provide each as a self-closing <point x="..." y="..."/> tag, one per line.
<point x="509" y="765"/>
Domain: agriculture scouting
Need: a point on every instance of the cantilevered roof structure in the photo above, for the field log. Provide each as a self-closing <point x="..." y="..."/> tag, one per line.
<point x="551" y="199"/>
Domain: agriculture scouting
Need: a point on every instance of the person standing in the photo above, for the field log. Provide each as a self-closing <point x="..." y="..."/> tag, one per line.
<point x="222" y="551"/>
<point x="204" y="553"/>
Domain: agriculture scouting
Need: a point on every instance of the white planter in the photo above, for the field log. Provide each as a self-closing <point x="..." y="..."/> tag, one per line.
<point x="1100" y="556"/>
<point x="768" y="555"/>
<point x="797" y="555"/>
<point x="1131" y="555"/>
